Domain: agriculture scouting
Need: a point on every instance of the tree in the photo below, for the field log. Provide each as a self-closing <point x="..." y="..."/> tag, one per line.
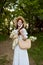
<point x="31" y="8"/>
<point x="26" y="8"/>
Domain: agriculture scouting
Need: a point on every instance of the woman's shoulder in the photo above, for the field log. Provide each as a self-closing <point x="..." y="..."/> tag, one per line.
<point x="24" y="31"/>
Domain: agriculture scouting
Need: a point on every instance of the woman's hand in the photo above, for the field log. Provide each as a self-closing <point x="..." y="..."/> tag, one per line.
<point x="20" y="27"/>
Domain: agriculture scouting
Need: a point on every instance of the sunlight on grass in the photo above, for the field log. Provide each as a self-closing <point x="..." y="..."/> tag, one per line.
<point x="3" y="60"/>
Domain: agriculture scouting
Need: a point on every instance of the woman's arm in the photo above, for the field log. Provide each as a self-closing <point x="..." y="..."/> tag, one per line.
<point x="24" y="34"/>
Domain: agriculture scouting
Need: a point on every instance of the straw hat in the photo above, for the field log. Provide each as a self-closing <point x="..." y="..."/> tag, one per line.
<point x="19" y="18"/>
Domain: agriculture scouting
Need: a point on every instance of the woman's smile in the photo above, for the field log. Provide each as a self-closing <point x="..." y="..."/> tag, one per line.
<point x="19" y="23"/>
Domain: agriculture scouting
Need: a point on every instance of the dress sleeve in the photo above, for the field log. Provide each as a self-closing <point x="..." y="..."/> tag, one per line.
<point x="24" y="33"/>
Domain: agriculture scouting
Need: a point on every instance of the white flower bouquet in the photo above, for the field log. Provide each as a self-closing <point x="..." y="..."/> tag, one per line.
<point x="33" y="38"/>
<point x="14" y="37"/>
<point x="15" y="42"/>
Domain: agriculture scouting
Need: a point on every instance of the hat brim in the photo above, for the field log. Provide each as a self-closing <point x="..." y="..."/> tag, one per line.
<point x="19" y="17"/>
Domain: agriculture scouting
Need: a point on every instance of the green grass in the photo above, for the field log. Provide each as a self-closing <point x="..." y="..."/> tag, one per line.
<point x="3" y="37"/>
<point x="36" y="51"/>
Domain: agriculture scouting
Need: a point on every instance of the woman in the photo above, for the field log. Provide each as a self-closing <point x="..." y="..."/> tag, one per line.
<point x="20" y="55"/>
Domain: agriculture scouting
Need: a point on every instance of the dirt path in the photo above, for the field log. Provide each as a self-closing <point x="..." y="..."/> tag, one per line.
<point x="6" y="50"/>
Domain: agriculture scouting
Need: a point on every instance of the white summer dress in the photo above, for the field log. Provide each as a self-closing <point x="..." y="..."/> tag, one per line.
<point x="20" y="56"/>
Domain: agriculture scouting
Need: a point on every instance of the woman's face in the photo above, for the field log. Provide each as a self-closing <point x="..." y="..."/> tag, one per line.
<point x="20" y="23"/>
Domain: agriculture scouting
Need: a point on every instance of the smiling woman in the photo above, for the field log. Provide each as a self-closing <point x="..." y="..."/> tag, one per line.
<point x="20" y="55"/>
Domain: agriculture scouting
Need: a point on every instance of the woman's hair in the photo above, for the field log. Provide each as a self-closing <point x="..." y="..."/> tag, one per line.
<point x="17" y="24"/>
